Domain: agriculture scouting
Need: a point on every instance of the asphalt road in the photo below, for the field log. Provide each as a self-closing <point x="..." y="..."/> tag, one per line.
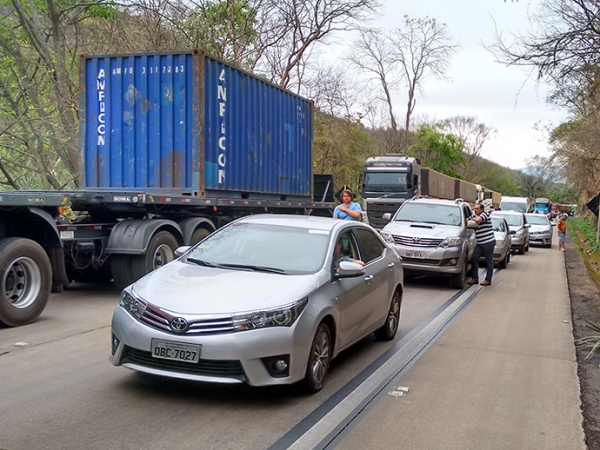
<point x="59" y="391"/>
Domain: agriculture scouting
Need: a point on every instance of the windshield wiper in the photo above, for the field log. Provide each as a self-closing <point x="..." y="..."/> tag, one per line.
<point x="201" y="262"/>
<point x="252" y="267"/>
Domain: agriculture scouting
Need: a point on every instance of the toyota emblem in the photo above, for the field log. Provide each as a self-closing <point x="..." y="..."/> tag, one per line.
<point x="416" y="239"/>
<point x="179" y="325"/>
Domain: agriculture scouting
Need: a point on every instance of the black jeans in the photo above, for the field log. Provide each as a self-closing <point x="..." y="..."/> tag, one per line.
<point x="487" y="250"/>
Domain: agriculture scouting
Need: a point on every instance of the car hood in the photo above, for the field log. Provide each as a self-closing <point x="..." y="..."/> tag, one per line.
<point x="539" y="228"/>
<point x="515" y="227"/>
<point x="422" y="229"/>
<point x="191" y="289"/>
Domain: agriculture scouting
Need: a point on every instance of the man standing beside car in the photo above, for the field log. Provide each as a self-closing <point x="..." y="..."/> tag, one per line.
<point x="485" y="243"/>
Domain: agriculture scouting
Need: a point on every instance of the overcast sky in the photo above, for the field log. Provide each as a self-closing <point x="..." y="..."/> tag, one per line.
<point x="500" y="97"/>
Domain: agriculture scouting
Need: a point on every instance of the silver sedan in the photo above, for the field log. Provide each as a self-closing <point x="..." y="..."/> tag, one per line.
<point x="541" y="229"/>
<point x="502" y="234"/>
<point x="265" y="300"/>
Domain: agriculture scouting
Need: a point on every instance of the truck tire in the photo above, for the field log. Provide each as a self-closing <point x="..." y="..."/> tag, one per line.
<point x="120" y="267"/>
<point x="459" y="280"/>
<point x="161" y="250"/>
<point x="198" y="235"/>
<point x="25" y="281"/>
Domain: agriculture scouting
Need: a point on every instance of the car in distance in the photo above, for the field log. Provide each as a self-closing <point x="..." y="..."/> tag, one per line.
<point x="541" y="229"/>
<point x="502" y="233"/>
<point x="431" y="236"/>
<point x="265" y="300"/>
<point x="517" y="223"/>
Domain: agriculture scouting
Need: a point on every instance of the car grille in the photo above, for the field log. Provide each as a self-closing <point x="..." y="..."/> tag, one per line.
<point x="206" y="367"/>
<point x="422" y="262"/>
<point x="159" y="319"/>
<point x="411" y="241"/>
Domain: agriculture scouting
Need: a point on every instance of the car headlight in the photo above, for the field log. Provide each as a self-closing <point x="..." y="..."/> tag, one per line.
<point x="280" y="317"/>
<point x="132" y="305"/>
<point x="387" y="237"/>
<point x="451" y="242"/>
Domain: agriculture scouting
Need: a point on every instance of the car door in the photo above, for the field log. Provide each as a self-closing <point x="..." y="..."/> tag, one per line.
<point x="379" y="267"/>
<point x="351" y="294"/>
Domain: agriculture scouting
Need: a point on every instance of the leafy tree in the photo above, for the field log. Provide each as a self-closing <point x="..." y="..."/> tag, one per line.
<point x="438" y="151"/>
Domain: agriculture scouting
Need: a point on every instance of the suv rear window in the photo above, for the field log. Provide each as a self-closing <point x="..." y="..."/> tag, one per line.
<point x="429" y="213"/>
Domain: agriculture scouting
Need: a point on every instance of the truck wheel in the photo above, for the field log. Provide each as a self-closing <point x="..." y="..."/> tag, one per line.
<point x="120" y="267"/>
<point x="26" y="280"/>
<point x="161" y="251"/>
<point x="198" y="235"/>
<point x="459" y="280"/>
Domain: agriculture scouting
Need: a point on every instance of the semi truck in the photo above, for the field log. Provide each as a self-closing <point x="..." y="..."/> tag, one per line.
<point x="388" y="181"/>
<point x="489" y="198"/>
<point x="543" y="206"/>
<point x="172" y="147"/>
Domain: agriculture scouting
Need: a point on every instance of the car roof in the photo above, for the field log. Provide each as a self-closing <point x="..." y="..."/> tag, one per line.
<point x="507" y="213"/>
<point x="436" y="201"/>
<point x="300" y="221"/>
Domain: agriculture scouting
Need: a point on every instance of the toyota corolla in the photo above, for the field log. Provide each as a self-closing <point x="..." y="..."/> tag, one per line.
<point x="265" y="300"/>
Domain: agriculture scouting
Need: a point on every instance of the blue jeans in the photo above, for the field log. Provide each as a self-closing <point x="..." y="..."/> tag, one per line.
<point x="487" y="250"/>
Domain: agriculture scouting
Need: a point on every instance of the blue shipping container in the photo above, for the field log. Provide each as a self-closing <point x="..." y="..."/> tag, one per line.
<point x="188" y="123"/>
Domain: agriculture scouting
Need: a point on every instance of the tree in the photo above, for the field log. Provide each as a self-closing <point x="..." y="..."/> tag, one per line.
<point x="538" y="177"/>
<point x="405" y="57"/>
<point x="438" y="151"/>
<point x="472" y="135"/>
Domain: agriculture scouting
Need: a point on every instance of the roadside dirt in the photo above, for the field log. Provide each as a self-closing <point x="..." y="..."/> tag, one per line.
<point x="585" y="307"/>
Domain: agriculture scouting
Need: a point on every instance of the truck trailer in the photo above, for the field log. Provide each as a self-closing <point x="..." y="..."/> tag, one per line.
<point x="388" y="181"/>
<point x="172" y="147"/>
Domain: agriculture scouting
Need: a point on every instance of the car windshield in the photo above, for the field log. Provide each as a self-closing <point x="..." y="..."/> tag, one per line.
<point x="498" y="224"/>
<point x="515" y="221"/>
<point x="513" y="206"/>
<point x="429" y="213"/>
<point x="260" y="247"/>
<point x="538" y="220"/>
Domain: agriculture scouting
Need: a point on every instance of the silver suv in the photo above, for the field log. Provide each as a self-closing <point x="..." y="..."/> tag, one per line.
<point x="432" y="237"/>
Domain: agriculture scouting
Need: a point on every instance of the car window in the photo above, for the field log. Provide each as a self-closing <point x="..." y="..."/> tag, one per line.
<point x="292" y="250"/>
<point x="515" y="221"/>
<point x="370" y="246"/>
<point x="429" y="213"/>
<point x="348" y="248"/>
<point x="498" y="224"/>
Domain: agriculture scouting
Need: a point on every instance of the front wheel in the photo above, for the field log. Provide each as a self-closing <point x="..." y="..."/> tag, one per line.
<point x="502" y="264"/>
<point x="459" y="280"/>
<point x="318" y="359"/>
<point x="389" y="329"/>
<point x="26" y="280"/>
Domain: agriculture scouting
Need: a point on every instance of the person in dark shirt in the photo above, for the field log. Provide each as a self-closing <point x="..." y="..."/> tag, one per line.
<point x="486" y="241"/>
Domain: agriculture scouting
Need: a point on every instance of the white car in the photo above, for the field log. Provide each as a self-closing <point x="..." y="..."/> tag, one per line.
<point x="541" y="229"/>
<point x="265" y="300"/>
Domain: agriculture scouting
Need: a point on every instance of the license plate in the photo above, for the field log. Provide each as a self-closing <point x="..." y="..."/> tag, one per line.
<point x="417" y="255"/>
<point x="67" y="235"/>
<point x="175" y="351"/>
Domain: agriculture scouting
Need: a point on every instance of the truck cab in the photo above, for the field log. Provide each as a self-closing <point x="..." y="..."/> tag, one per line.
<point x="387" y="182"/>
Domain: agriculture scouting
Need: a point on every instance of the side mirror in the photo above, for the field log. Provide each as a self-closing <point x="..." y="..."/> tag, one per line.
<point x="179" y="251"/>
<point x="527" y="225"/>
<point x="348" y="269"/>
<point x="512" y="232"/>
<point x="387" y="216"/>
<point x="471" y="225"/>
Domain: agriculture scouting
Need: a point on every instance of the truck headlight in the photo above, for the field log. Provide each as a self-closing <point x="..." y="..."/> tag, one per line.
<point x="451" y="242"/>
<point x="387" y="237"/>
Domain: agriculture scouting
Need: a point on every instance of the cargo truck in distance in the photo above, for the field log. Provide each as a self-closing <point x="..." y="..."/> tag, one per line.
<point x="172" y="146"/>
<point x="390" y="180"/>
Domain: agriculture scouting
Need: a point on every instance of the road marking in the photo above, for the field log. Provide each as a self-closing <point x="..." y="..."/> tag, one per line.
<point x="322" y="430"/>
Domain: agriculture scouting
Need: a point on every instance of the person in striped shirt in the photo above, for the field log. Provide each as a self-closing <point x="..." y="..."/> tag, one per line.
<point x="486" y="241"/>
